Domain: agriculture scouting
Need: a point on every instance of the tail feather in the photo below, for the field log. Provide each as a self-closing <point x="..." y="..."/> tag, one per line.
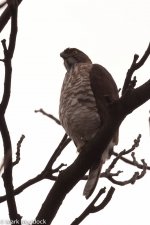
<point x="95" y="170"/>
<point x="92" y="179"/>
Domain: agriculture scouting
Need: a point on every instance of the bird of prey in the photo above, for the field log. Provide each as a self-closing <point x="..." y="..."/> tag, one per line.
<point x="85" y="85"/>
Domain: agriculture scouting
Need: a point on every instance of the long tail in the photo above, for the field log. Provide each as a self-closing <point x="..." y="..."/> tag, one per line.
<point x="94" y="174"/>
<point x="95" y="170"/>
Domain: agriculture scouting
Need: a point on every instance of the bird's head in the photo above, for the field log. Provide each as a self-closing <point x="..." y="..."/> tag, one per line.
<point x="72" y="56"/>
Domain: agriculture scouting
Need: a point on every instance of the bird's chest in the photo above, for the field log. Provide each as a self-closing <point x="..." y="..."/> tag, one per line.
<point x="78" y="112"/>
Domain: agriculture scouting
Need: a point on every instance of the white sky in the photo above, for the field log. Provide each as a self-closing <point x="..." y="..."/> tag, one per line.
<point x="110" y="32"/>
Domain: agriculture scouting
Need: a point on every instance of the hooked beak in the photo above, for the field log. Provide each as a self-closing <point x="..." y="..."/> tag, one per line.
<point x="63" y="55"/>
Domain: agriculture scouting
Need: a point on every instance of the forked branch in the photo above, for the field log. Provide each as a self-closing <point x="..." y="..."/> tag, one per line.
<point x="92" y="208"/>
<point x="129" y="83"/>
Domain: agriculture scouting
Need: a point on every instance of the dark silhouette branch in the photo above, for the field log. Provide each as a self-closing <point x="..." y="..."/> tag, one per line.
<point x="18" y="150"/>
<point x="48" y="115"/>
<point x="3" y="4"/>
<point x="124" y="152"/>
<point x="7" y="175"/>
<point x="5" y="16"/>
<point x="92" y="208"/>
<point x="64" y="142"/>
<point x="134" y="66"/>
<point x="136" y="175"/>
<point x="47" y="173"/>
<point x="140" y="166"/>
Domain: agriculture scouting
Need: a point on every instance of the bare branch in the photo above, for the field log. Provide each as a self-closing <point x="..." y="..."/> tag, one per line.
<point x="136" y="175"/>
<point x="124" y="152"/>
<point x="64" y="142"/>
<point x="135" y="145"/>
<point x="123" y="183"/>
<point x="8" y="54"/>
<point x="3" y="4"/>
<point x="105" y="201"/>
<point x="140" y="166"/>
<point x="48" y="115"/>
<point x="24" y="186"/>
<point x="57" y="169"/>
<point x="132" y="162"/>
<point x="7" y="175"/>
<point x="6" y="16"/>
<point x="47" y="173"/>
<point x="134" y="66"/>
<point x="92" y="208"/>
<point x="144" y="169"/>
<point x="18" y="150"/>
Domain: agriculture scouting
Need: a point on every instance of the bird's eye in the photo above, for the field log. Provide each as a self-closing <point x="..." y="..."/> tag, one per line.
<point x="75" y="52"/>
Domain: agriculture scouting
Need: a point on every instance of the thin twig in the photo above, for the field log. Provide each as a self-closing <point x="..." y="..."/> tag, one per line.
<point x="123" y="183"/>
<point x="48" y="115"/>
<point x="134" y="146"/>
<point x="18" y="150"/>
<point x="119" y="156"/>
<point x="64" y="142"/>
<point x="136" y="176"/>
<point x="140" y="166"/>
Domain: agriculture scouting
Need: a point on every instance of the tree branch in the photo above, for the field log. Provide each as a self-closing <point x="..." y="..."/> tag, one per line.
<point x="134" y="66"/>
<point x="7" y="175"/>
<point x="48" y="115"/>
<point x="6" y="16"/>
<point x="140" y="166"/>
<point x="47" y="173"/>
<point x="18" y="150"/>
<point x="92" y="208"/>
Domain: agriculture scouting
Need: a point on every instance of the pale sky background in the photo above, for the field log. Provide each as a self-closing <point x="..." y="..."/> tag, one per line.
<point x="110" y="32"/>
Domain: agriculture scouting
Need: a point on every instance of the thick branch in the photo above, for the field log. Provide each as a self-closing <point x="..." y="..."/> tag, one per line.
<point x="69" y="177"/>
<point x="135" y="98"/>
<point x="6" y="16"/>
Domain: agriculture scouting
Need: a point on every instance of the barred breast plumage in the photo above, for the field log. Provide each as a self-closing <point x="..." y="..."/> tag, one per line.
<point x="78" y="111"/>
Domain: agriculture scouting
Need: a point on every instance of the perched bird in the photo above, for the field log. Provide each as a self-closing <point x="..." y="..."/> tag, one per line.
<point x="85" y="85"/>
